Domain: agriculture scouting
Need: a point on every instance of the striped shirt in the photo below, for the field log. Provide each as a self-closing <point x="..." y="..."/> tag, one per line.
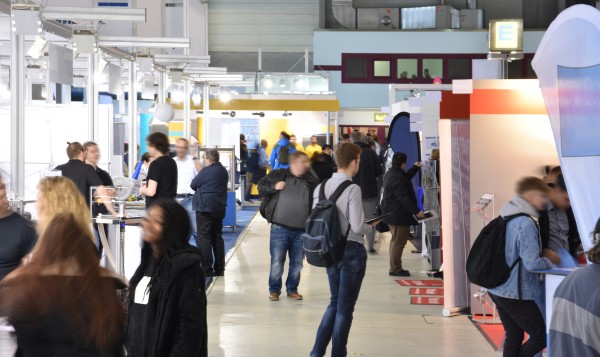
<point x="575" y="325"/>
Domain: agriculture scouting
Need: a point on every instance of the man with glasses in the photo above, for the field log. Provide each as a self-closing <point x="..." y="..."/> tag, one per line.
<point x="188" y="167"/>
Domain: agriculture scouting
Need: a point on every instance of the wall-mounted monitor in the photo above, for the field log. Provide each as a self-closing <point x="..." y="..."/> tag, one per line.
<point x="506" y="35"/>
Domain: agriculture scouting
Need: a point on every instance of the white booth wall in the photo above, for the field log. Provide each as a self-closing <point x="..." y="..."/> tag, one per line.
<point x="504" y="149"/>
<point x="48" y="128"/>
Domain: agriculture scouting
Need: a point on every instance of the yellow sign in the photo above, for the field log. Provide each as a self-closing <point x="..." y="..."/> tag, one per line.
<point x="380" y="117"/>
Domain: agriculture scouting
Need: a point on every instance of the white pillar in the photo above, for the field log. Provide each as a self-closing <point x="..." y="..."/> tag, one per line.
<point x="186" y="109"/>
<point x="328" y="127"/>
<point x="336" y="129"/>
<point x="92" y="97"/>
<point x="133" y="118"/>
<point x="17" y="115"/>
<point x="205" y="112"/>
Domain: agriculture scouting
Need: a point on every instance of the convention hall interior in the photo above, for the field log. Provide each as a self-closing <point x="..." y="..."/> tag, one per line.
<point x="237" y="178"/>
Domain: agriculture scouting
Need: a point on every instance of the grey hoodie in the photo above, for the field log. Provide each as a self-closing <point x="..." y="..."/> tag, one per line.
<point x="518" y="205"/>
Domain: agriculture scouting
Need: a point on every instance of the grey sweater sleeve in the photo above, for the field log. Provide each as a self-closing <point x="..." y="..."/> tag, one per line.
<point x="356" y="216"/>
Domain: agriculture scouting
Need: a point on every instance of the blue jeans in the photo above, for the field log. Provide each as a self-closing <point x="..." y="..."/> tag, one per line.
<point x="187" y="204"/>
<point x="345" y="281"/>
<point x="284" y="241"/>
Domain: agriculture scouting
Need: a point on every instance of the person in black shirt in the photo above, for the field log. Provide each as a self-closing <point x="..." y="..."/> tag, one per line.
<point x="84" y="176"/>
<point x="18" y="236"/>
<point x="167" y="301"/>
<point x="162" y="175"/>
<point x="92" y="158"/>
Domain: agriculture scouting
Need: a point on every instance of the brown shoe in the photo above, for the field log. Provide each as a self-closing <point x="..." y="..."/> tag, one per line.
<point x="274" y="296"/>
<point x="295" y="296"/>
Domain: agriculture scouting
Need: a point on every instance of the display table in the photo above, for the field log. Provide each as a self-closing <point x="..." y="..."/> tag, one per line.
<point x="123" y="242"/>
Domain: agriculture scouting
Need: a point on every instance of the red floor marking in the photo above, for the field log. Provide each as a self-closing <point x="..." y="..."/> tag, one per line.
<point x="404" y="282"/>
<point x="426" y="291"/>
<point x="426" y="300"/>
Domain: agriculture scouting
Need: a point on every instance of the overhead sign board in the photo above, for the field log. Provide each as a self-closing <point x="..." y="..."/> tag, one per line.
<point x="506" y="35"/>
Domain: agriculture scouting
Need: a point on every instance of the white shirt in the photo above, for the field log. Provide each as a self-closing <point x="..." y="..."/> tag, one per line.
<point x="186" y="171"/>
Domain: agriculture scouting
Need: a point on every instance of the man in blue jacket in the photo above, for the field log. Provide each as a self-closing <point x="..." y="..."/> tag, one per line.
<point x="282" y="151"/>
<point x="210" y="202"/>
<point x="516" y="298"/>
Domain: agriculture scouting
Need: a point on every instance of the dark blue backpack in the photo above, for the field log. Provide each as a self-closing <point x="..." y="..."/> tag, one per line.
<point x="323" y="240"/>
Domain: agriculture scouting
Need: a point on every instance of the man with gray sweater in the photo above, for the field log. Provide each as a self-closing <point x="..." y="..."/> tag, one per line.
<point x="345" y="279"/>
<point x="287" y="204"/>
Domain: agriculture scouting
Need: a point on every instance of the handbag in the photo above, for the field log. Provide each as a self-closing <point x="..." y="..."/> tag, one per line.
<point x="381" y="227"/>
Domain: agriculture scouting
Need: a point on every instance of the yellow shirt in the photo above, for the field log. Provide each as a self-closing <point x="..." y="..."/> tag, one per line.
<point x="299" y="147"/>
<point x="312" y="149"/>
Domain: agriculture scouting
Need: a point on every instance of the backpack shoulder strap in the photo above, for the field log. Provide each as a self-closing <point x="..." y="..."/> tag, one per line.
<point x="338" y="192"/>
<point x="322" y="190"/>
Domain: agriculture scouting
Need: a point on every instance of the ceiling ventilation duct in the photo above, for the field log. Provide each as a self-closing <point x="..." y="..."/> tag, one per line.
<point x="344" y="13"/>
<point x="362" y="4"/>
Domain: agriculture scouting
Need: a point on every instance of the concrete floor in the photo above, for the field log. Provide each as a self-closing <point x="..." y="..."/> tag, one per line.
<point x="243" y="322"/>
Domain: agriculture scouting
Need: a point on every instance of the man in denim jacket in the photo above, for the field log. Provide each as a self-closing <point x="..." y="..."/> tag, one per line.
<point x="515" y="299"/>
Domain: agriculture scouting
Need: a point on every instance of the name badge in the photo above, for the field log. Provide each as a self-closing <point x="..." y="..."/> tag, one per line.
<point x="142" y="293"/>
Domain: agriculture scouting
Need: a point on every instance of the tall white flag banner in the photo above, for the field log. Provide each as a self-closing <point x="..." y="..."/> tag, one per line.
<point x="567" y="64"/>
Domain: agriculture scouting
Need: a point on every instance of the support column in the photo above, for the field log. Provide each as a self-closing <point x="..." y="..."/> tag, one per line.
<point x="186" y="109"/>
<point x="162" y="87"/>
<point x="336" y="129"/>
<point x="205" y="112"/>
<point x="133" y="118"/>
<point x="328" y="128"/>
<point x="17" y="115"/>
<point x="92" y="97"/>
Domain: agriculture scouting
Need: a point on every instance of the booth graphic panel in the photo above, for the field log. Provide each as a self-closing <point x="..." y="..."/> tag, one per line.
<point x="579" y="90"/>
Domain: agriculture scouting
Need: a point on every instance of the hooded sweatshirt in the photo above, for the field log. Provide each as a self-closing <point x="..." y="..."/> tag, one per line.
<point x="522" y="240"/>
<point x="274" y="160"/>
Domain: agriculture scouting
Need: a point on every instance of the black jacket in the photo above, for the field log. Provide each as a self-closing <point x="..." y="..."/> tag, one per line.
<point x="211" y="189"/>
<point x="574" y="238"/>
<point x="399" y="197"/>
<point x="180" y="325"/>
<point x="266" y="188"/>
<point x="370" y="168"/>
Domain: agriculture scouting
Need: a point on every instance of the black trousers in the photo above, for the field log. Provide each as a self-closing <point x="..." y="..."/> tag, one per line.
<point x="210" y="241"/>
<point x="518" y="317"/>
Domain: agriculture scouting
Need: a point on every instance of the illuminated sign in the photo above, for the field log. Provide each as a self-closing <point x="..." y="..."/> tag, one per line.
<point x="506" y="35"/>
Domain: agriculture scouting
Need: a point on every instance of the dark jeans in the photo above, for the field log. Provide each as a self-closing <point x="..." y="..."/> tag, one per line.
<point x="210" y="241"/>
<point x="518" y="317"/>
<point x="285" y="241"/>
<point x="344" y="282"/>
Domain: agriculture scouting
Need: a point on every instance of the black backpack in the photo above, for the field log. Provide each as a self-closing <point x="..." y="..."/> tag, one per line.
<point x="486" y="263"/>
<point x="284" y="155"/>
<point x="323" y="240"/>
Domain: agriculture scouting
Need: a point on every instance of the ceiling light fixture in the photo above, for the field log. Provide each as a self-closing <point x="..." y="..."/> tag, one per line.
<point x="225" y="96"/>
<point x="268" y="82"/>
<point x="37" y="48"/>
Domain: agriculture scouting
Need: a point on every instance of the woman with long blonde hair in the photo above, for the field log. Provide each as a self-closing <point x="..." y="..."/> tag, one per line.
<point x="58" y="195"/>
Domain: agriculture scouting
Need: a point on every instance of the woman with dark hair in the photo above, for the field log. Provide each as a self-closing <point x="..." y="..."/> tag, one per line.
<point x="576" y="309"/>
<point x="167" y="298"/>
<point x="320" y="166"/>
<point x="61" y="303"/>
